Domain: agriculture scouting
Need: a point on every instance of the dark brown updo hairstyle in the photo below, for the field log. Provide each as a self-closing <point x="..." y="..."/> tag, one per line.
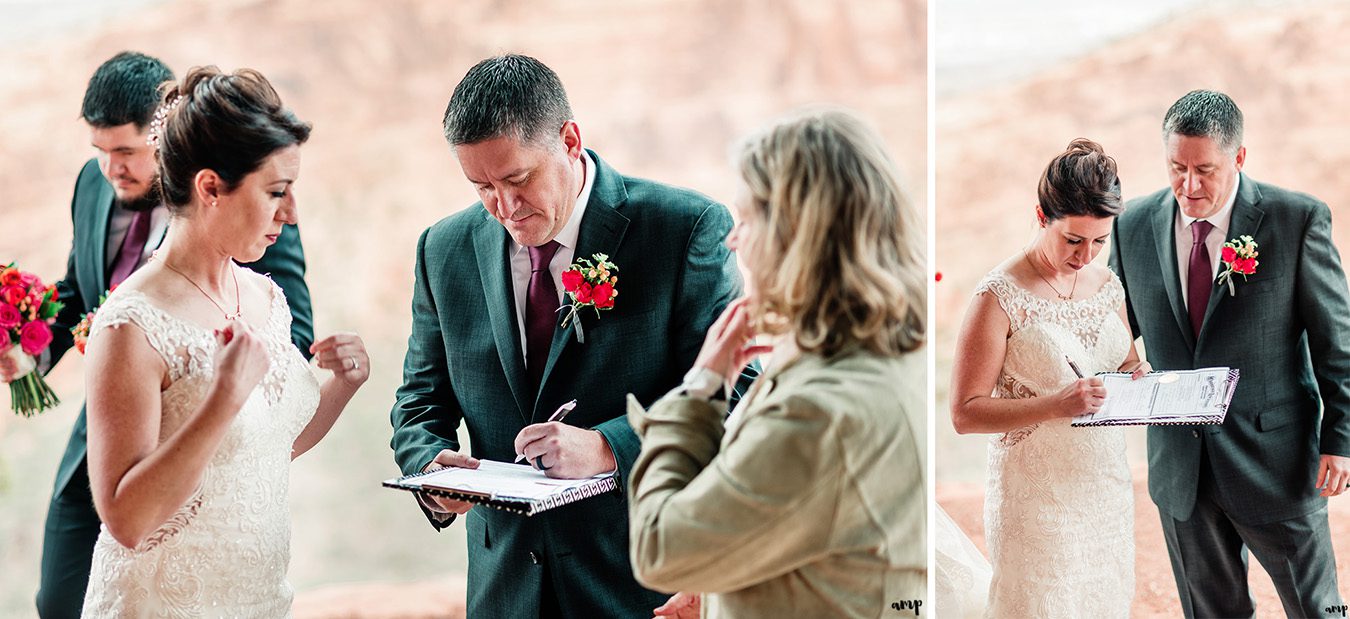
<point x="1080" y="181"/>
<point x="227" y="123"/>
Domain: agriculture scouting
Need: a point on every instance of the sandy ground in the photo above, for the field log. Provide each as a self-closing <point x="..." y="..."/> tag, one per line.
<point x="440" y="598"/>
<point x="1155" y="589"/>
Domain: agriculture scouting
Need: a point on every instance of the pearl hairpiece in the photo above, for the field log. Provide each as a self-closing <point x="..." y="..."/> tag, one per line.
<point x="157" y="125"/>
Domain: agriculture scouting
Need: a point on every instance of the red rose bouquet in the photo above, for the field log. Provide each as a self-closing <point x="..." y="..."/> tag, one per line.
<point x="27" y="310"/>
<point x="589" y="283"/>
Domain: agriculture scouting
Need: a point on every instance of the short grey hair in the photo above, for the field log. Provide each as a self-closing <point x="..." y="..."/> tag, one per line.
<point x="1206" y="113"/>
<point x="510" y="95"/>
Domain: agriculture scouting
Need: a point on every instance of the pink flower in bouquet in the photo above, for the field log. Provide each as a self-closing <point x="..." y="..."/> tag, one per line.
<point x="9" y="318"/>
<point x="29" y="280"/>
<point x="13" y="295"/>
<point x="34" y="337"/>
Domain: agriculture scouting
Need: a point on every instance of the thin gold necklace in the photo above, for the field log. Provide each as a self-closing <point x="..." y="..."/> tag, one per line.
<point x="1047" y="282"/>
<point x="233" y="274"/>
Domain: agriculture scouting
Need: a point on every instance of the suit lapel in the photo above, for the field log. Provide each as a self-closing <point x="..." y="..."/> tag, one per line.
<point x="494" y="268"/>
<point x="1246" y="220"/>
<point x="602" y="230"/>
<point x="1164" y="236"/>
<point x="100" y="215"/>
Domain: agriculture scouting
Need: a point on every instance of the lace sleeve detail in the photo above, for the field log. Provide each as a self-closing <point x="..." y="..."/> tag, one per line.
<point x="1115" y="291"/>
<point x="280" y="318"/>
<point x="166" y="336"/>
<point x="1008" y="296"/>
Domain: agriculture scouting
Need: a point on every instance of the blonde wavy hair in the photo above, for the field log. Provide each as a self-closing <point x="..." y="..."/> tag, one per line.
<point x="840" y="249"/>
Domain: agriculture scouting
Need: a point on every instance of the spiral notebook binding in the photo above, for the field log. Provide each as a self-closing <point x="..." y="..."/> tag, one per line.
<point x="509" y="504"/>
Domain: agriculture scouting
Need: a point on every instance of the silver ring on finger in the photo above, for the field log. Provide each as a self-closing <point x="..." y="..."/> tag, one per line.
<point x="350" y="363"/>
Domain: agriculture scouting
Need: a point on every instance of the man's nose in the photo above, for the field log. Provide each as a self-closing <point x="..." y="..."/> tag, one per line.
<point x="1192" y="185"/>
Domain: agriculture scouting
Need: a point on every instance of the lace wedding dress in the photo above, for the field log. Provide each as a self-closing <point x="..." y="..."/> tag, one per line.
<point x="1059" y="506"/>
<point x="224" y="553"/>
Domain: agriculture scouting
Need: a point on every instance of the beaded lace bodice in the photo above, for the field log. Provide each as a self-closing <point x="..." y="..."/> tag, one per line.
<point x="1059" y="504"/>
<point x="224" y="552"/>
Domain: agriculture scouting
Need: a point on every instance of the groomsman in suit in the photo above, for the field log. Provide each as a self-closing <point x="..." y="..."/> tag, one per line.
<point x="118" y="221"/>
<point x="487" y="348"/>
<point x="1260" y="480"/>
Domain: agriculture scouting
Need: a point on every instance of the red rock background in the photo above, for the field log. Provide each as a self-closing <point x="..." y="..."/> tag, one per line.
<point x="1286" y="66"/>
<point x="661" y="88"/>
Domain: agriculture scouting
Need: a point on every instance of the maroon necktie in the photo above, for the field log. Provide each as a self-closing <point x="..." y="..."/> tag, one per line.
<point x="1198" y="284"/>
<point x="133" y="245"/>
<point x="541" y="311"/>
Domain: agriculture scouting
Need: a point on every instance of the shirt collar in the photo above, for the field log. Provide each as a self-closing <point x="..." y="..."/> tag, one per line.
<point x="1222" y="218"/>
<point x="567" y="237"/>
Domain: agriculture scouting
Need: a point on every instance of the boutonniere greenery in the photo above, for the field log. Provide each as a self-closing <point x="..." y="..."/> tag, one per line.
<point x="1239" y="258"/>
<point x="589" y="283"/>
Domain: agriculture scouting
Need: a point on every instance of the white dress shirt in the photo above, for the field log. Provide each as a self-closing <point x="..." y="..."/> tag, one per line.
<point x="1221" y="221"/>
<point x="567" y="241"/>
<point x="119" y="222"/>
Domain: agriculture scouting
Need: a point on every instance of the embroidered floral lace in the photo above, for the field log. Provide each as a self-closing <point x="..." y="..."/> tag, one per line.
<point x="225" y="552"/>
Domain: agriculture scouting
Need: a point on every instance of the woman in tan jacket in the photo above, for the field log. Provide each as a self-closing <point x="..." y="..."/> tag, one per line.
<point x="809" y="499"/>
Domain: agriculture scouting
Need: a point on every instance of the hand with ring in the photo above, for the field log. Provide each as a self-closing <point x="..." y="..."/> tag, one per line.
<point x="344" y="354"/>
<point x="562" y="451"/>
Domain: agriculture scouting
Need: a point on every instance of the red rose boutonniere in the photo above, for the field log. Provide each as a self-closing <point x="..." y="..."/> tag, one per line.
<point x="589" y="283"/>
<point x="1239" y="257"/>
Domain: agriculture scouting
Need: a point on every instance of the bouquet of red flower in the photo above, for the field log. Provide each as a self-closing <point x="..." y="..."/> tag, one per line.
<point x="589" y="284"/>
<point x="27" y="310"/>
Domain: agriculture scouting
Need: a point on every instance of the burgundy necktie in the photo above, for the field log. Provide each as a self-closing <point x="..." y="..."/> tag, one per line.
<point x="1198" y="275"/>
<point x="541" y="311"/>
<point x="133" y="245"/>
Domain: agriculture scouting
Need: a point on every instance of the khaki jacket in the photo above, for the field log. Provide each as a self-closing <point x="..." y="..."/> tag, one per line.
<point x="811" y="504"/>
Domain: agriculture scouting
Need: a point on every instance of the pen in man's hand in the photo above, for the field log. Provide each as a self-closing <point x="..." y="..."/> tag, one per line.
<point x="557" y="415"/>
<point x="1074" y="366"/>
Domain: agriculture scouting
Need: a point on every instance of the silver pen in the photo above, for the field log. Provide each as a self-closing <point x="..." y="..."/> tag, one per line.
<point x="1073" y="366"/>
<point x="557" y="415"/>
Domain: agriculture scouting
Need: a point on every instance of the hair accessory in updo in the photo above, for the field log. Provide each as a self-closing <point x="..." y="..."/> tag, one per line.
<point x="157" y="125"/>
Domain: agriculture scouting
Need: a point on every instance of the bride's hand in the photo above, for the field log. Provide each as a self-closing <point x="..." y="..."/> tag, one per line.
<point x="1081" y="396"/>
<point x="239" y="363"/>
<point x="344" y="354"/>
<point x="1137" y="370"/>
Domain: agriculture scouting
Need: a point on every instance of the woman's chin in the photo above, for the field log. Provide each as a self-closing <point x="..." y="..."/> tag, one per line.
<point x="252" y="254"/>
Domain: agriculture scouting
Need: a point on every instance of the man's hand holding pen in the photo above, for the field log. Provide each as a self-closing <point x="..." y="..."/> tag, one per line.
<point x="562" y="451"/>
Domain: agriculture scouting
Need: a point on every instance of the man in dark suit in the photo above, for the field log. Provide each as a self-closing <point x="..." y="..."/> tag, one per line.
<point x="1258" y="481"/>
<point x="118" y="220"/>
<point x="487" y="347"/>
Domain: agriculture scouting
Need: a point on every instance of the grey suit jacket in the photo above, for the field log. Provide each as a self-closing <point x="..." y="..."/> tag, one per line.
<point x="1287" y="331"/>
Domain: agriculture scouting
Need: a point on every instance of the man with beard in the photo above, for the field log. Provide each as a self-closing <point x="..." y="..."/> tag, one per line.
<point x="118" y="220"/>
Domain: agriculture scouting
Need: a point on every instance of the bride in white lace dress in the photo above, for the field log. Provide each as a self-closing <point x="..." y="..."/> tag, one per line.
<point x="198" y="400"/>
<point x="1059" y="504"/>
